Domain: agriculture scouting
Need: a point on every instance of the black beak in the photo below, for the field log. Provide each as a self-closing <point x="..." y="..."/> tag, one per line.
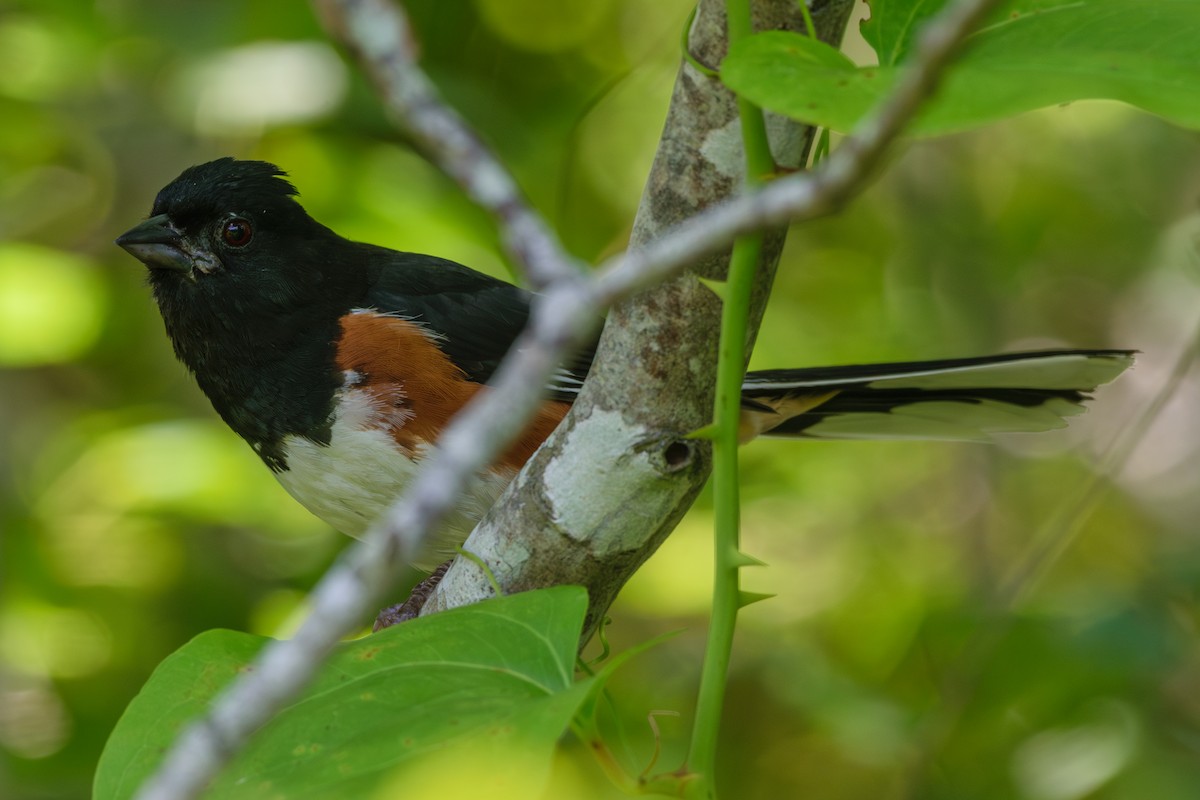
<point x="157" y="244"/>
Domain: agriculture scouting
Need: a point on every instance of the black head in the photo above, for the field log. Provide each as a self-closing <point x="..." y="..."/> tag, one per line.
<point x="228" y="237"/>
<point x="216" y="217"/>
<point x="251" y="290"/>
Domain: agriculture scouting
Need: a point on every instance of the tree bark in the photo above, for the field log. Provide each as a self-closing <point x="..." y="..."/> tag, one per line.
<point x="617" y="475"/>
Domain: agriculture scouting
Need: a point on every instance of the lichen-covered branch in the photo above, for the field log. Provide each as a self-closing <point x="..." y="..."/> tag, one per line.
<point x="615" y="478"/>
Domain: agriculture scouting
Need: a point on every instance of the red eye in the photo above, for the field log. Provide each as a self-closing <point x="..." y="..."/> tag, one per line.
<point x="237" y="232"/>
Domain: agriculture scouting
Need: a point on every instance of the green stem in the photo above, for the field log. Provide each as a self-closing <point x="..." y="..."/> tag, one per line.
<point x="726" y="510"/>
<point x="731" y="368"/>
<point x="808" y="20"/>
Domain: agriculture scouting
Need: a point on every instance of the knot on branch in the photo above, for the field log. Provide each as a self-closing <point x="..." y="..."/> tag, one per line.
<point x="669" y="454"/>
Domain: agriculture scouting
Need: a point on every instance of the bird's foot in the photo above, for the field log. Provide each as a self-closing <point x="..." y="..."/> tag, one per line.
<point x="411" y="608"/>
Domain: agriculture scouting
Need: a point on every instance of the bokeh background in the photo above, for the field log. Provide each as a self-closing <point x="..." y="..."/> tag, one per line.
<point x="891" y="663"/>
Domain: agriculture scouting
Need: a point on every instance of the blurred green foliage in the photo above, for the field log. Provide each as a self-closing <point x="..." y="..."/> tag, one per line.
<point x="131" y="520"/>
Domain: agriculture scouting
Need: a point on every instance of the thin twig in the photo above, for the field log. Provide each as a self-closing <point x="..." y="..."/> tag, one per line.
<point x="560" y="320"/>
<point x="378" y="33"/>
<point x="804" y="196"/>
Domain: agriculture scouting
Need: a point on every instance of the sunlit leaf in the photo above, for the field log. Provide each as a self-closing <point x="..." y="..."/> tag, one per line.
<point x="491" y="684"/>
<point x="1035" y="54"/>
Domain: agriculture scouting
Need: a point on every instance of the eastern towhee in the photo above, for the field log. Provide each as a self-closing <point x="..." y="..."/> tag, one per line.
<point x="340" y="362"/>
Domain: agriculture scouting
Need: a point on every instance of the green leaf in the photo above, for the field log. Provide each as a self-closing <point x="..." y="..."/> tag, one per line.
<point x="892" y="25"/>
<point x="475" y="696"/>
<point x="1034" y="54"/>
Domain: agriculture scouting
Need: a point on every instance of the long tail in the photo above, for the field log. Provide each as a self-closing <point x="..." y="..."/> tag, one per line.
<point x="965" y="398"/>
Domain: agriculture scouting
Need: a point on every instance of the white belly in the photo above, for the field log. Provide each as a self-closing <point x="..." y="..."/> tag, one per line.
<point x="350" y="482"/>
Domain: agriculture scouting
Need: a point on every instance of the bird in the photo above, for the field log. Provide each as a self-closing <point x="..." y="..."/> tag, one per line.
<point x="341" y="362"/>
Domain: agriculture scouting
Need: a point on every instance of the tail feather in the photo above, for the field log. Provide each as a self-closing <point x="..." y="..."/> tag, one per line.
<point x="964" y="399"/>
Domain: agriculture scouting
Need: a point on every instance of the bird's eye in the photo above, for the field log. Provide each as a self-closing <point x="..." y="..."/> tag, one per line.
<point x="237" y="232"/>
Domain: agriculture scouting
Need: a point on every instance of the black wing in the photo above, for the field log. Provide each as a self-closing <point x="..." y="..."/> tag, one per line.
<point x="476" y="317"/>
